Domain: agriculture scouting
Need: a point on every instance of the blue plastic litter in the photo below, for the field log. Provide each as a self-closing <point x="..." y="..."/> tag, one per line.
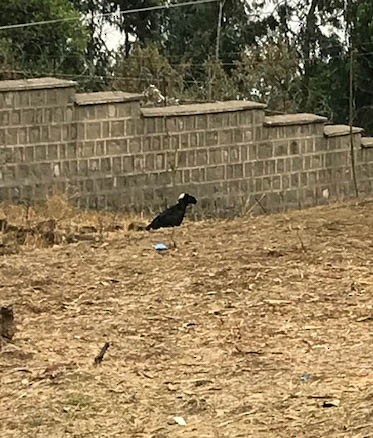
<point x="305" y="377"/>
<point x="160" y="246"/>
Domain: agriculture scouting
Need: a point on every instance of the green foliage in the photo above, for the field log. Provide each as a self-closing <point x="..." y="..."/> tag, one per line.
<point x="190" y="32"/>
<point x="144" y="27"/>
<point x="44" y="49"/>
<point x="269" y="73"/>
<point x="294" y="57"/>
<point x="98" y="58"/>
<point x="144" y="67"/>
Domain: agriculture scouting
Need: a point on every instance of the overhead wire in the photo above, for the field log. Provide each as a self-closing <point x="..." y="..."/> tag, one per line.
<point x="108" y="14"/>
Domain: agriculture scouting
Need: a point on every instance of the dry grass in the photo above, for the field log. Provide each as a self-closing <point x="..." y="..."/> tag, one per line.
<point x="219" y="331"/>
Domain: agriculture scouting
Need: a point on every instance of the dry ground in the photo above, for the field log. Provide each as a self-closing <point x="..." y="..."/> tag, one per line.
<point x="257" y="327"/>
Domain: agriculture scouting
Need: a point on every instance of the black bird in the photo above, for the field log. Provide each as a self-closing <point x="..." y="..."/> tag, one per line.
<point x="172" y="216"/>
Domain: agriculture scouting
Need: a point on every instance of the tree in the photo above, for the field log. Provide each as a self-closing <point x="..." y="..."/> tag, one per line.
<point x="141" y="27"/>
<point x="361" y="17"/>
<point x="191" y="32"/>
<point x="269" y="73"/>
<point x="42" y="49"/>
<point x="98" y="58"/>
<point x="145" y="67"/>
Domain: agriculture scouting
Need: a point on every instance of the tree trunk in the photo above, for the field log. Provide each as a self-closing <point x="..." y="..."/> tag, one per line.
<point x="309" y="32"/>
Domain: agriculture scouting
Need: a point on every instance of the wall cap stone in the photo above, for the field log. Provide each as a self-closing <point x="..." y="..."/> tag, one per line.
<point x="367" y="142"/>
<point x="201" y="108"/>
<point x="293" y="119"/>
<point x="103" y="97"/>
<point x="339" y="130"/>
<point x="35" y="84"/>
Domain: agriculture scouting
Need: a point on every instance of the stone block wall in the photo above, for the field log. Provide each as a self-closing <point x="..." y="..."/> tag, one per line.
<point x="36" y="130"/>
<point x="107" y="152"/>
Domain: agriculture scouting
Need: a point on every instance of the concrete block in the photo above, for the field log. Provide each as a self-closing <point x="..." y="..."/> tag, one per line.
<point x="294" y="180"/>
<point x="18" y="154"/>
<point x="180" y="141"/>
<point x="285" y="183"/>
<point x="171" y="124"/>
<point x="129" y="164"/>
<point x="294" y="147"/>
<point x="52" y="152"/>
<point x="234" y="154"/>
<point x="246" y="118"/>
<point x="215" y="121"/>
<point x="258" y="117"/>
<point x="156" y="143"/>
<point x="269" y="167"/>
<point x="71" y="150"/>
<point x="100" y="147"/>
<point x="149" y="162"/>
<point x="265" y="150"/>
<point x="281" y="148"/>
<point x="86" y="149"/>
<point x="171" y="160"/>
<point x="15" y="118"/>
<point x="212" y="138"/>
<point x="238" y="135"/>
<point x="105" y="129"/>
<point x="225" y="137"/>
<point x="312" y="178"/>
<point x="192" y="158"/>
<point x="55" y="133"/>
<point x="40" y="153"/>
<point x="197" y="175"/>
<point x="253" y="152"/>
<point x="317" y="161"/>
<point x="233" y="119"/>
<point x="106" y="164"/>
<point x="134" y="145"/>
<point x="58" y="114"/>
<point x="258" y="168"/>
<point x="114" y="147"/>
<point x="304" y="179"/>
<point x="190" y="123"/>
<point x="296" y="164"/>
<point x="147" y="143"/>
<point x="93" y="130"/>
<point x="215" y="173"/>
<point x="215" y="156"/>
<point x="150" y="125"/>
<point x="22" y="99"/>
<point x="249" y="169"/>
<point x="160" y="162"/>
<point x="276" y="182"/>
<point x="320" y="144"/>
<point x="201" y="121"/>
<point x="37" y="98"/>
<point x="201" y="157"/>
<point x="196" y="140"/>
<point x="160" y="124"/>
<point x="10" y="136"/>
<point x="5" y="117"/>
<point x="258" y="185"/>
<point x="244" y="153"/>
<point x="235" y="171"/>
<point x="182" y="158"/>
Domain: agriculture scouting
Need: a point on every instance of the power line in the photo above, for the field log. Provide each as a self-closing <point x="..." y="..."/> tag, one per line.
<point x="109" y="14"/>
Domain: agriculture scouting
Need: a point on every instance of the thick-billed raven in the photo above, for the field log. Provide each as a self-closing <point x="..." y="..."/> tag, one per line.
<point x="172" y="216"/>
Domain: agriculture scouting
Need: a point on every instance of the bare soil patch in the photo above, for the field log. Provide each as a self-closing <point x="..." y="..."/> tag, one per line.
<point x="255" y="327"/>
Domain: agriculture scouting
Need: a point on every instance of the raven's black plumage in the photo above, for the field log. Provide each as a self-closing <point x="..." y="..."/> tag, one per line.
<point x="172" y="216"/>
